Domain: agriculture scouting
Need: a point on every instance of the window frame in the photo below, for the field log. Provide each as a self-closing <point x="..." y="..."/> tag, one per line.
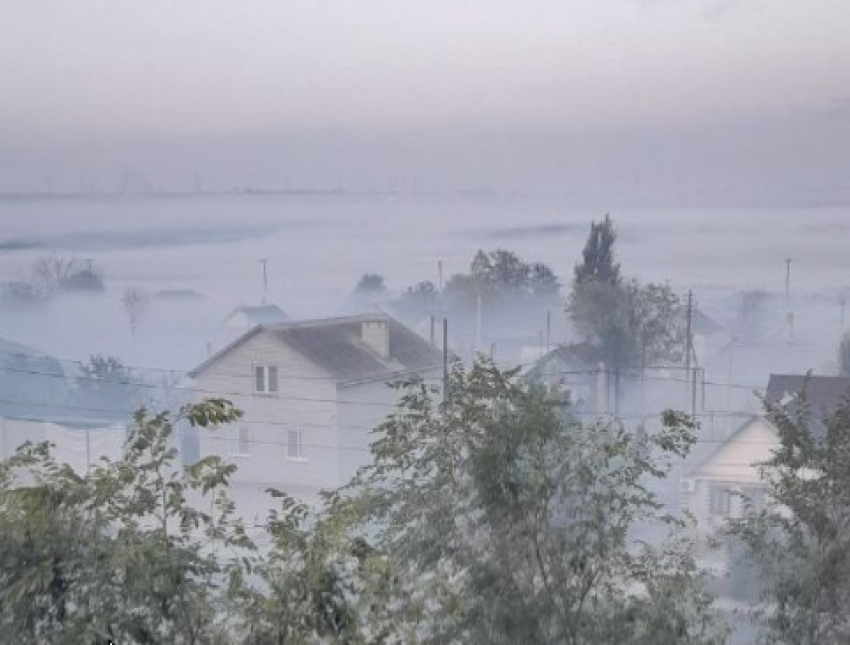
<point x="299" y="443"/>
<point x="267" y="370"/>
<point x="720" y="500"/>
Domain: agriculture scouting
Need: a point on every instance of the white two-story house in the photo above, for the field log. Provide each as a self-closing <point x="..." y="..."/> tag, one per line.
<point x="311" y="393"/>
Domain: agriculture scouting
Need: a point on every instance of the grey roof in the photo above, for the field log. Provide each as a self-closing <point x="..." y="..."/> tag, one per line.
<point x="261" y="314"/>
<point x="823" y="394"/>
<point x="37" y="387"/>
<point x="705" y="325"/>
<point x="334" y="345"/>
<point x="578" y="357"/>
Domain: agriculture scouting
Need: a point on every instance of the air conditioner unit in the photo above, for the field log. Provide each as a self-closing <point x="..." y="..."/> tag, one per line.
<point x="687" y="486"/>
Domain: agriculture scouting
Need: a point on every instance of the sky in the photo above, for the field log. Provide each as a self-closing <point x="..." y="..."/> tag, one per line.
<point x="695" y="96"/>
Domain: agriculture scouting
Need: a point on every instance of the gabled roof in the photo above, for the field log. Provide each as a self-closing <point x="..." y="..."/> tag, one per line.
<point x="823" y="394"/>
<point x="731" y="439"/>
<point x="705" y="325"/>
<point x="260" y="314"/>
<point x="577" y="356"/>
<point x="335" y="346"/>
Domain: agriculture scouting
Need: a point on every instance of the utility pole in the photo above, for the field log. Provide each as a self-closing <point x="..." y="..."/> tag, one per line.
<point x="263" y="262"/>
<point x="440" y="275"/>
<point x="692" y="374"/>
<point x="478" y="322"/>
<point x="788" y="284"/>
<point x="789" y="315"/>
<point x="729" y="384"/>
<point x="445" y="360"/>
<point x="689" y="336"/>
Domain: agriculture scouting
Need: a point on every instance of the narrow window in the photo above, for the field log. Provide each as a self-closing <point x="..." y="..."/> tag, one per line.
<point x="265" y="379"/>
<point x="294" y="445"/>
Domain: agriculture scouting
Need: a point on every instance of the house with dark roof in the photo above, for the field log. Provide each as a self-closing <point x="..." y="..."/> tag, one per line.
<point x="712" y="490"/>
<point x="311" y="392"/>
<point x="820" y="395"/>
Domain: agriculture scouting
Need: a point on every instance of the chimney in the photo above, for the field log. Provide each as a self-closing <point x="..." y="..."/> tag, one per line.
<point x="376" y="334"/>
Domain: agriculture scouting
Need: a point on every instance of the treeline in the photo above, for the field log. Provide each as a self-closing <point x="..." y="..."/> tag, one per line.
<point x="620" y="320"/>
<point x="50" y="276"/>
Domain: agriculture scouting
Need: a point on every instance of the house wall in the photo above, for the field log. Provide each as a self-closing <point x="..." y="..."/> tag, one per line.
<point x="362" y="408"/>
<point x="732" y="467"/>
<point x="306" y="401"/>
<point x="78" y="447"/>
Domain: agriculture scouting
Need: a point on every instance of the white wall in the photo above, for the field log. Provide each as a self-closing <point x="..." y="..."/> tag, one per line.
<point x="78" y="447"/>
<point x="306" y="401"/>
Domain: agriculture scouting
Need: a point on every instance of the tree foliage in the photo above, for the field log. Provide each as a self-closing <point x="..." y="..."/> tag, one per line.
<point x="507" y="522"/>
<point x="118" y="553"/>
<point x="598" y="256"/>
<point x="800" y="541"/>
<point x="502" y="275"/>
<point x="56" y="274"/>
<point x="489" y="517"/>
<point x="630" y="323"/>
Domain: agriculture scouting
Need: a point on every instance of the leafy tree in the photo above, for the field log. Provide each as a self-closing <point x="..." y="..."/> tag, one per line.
<point x="656" y="323"/>
<point x="104" y="368"/>
<point x="502" y="276"/>
<point x="370" y="284"/>
<point x="418" y="300"/>
<point x="598" y="256"/>
<point x="318" y="582"/>
<point x="119" y="553"/>
<point x="631" y="324"/>
<point x="505" y="521"/>
<point x="800" y="540"/>
<point x="55" y="274"/>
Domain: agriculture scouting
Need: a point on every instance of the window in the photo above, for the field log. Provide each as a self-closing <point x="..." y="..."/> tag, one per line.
<point x="240" y="442"/>
<point x="295" y="446"/>
<point x="265" y="379"/>
<point x="720" y="501"/>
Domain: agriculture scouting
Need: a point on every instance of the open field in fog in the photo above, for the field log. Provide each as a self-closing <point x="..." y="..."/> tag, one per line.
<point x="318" y="245"/>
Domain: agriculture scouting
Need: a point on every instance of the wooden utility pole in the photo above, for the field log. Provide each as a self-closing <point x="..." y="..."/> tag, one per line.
<point x="688" y="333"/>
<point x="692" y="373"/>
<point x="445" y="360"/>
<point x="263" y="262"/>
<point x="789" y="314"/>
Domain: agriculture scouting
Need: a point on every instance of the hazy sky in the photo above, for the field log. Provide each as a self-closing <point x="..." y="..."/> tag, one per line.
<point x="165" y="87"/>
